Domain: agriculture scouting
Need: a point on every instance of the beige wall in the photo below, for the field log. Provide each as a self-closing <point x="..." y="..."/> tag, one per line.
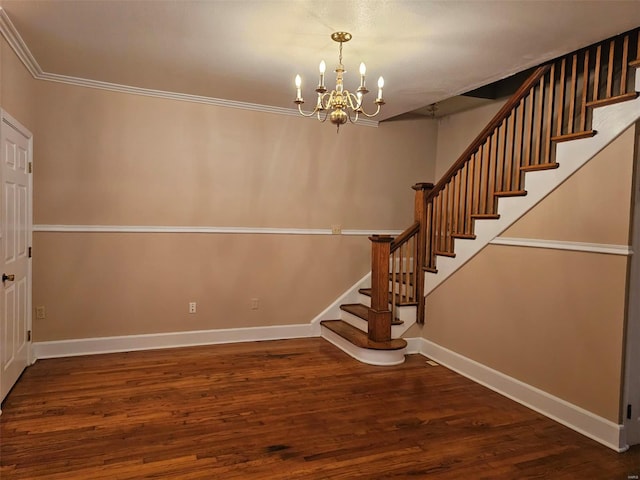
<point x="593" y="206"/>
<point x="97" y="285"/>
<point x="106" y="158"/>
<point x="114" y="158"/>
<point x="548" y="318"/>
<point x="457" y="131"/>
<point x="553" y="319"/>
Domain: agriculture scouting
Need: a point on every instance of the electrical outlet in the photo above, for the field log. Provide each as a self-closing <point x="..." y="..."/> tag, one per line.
<point x="255" y="303"/>
<point x="192" y="307"/>
<point x="41" y="314"/>
<point x="336" y="229"/>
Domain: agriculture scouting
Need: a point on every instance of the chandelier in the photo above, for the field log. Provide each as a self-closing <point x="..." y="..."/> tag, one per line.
<point x="339" y="105"/>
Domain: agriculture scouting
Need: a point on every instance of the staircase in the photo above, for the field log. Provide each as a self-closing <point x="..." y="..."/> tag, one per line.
<point x="561" y="117"/>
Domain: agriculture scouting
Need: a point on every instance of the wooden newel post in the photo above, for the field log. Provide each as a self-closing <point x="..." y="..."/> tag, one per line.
<point x="379" y="314"/>
<point x="422" y="192"/>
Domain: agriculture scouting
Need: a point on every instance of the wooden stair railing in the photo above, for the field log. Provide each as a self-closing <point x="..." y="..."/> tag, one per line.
<point x="395" y="264"/>
<point x="553" y="105"/>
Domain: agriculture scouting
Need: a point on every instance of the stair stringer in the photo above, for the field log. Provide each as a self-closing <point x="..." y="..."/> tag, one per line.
<point x="333" y="311"/>
<point x="609" y="121"/>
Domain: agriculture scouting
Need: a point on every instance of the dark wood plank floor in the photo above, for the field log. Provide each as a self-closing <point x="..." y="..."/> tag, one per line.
<point x="295" y="409"/>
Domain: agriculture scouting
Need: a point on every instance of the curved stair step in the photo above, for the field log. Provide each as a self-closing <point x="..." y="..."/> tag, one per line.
<point x="359" y="338"/>
<point x="354" y="342"/>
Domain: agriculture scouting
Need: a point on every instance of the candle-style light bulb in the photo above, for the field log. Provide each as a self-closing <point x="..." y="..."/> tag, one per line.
<point x="363" y="70"/>
<point x="322" y="68"/>
<point x="298" y="84"/>
<point x="380" y="85"/>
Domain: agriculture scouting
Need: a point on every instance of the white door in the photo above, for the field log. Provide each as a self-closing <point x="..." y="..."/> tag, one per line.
<point x="15" y="241"/>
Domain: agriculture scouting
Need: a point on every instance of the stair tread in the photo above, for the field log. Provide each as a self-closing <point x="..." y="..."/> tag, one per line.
<point x="464" y="236"/>
<point x="362" y="311"/>
<point x="445" y="254"/>
<point x="399" y="302"/>
<point x="359" y="338"/>
<point x="485" y="216"/>
<point x="542" y="166"/>
<point x="510" y="193"/>
<point x="611" y="100"/>
<point x="357" y="309"/>
<point x="430" y="269"/>
<point x="573" y="136"/>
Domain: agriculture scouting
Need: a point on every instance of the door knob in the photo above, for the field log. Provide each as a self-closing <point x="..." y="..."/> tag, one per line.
<point x="11" y="277"/>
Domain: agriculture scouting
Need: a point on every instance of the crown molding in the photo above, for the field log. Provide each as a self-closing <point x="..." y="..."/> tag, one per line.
<point x="15" y="41"/>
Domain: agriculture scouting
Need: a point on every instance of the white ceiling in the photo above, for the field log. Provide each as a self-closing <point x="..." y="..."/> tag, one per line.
<point x="251" y="50"/>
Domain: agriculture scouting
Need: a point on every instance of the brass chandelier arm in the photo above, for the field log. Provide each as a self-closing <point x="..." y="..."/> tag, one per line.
<point x="316" y="111"/>
<point x="323" y="103"/>
<point x="370" y="115"/>
<point x="356" y="105"/>
<point x="311" y="114"/>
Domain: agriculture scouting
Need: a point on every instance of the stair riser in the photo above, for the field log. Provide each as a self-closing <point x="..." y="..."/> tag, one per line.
<point x="364" y="299"/>
<point x="354" y="320"/>
<point x="406" y="314"/>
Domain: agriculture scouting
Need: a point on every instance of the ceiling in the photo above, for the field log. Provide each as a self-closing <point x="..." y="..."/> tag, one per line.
<point x="250" y="50"/>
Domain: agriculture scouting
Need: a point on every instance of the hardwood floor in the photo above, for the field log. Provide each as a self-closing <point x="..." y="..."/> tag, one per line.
<point x="294" y="409"/>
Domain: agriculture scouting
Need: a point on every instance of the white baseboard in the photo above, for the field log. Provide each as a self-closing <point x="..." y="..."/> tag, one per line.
<point x="582" y="421"/>
<point x="128" y="343"/>
<point x="414" y="345"/>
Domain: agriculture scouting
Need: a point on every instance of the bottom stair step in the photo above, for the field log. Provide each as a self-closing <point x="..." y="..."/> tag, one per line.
<point x="359" y="338"/>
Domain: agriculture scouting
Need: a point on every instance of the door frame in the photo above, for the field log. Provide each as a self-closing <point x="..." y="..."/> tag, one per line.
<point x="8" y="121"/>
<point x="631" y="386"/>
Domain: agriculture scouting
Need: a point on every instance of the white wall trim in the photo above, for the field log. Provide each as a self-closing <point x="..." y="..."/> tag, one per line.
<point x="153" y="341"/>
<point x="203" y="229"/>
<point x="582" y="421"/>
<point x="564" y="245"/>
<point x="16" y="42"/>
